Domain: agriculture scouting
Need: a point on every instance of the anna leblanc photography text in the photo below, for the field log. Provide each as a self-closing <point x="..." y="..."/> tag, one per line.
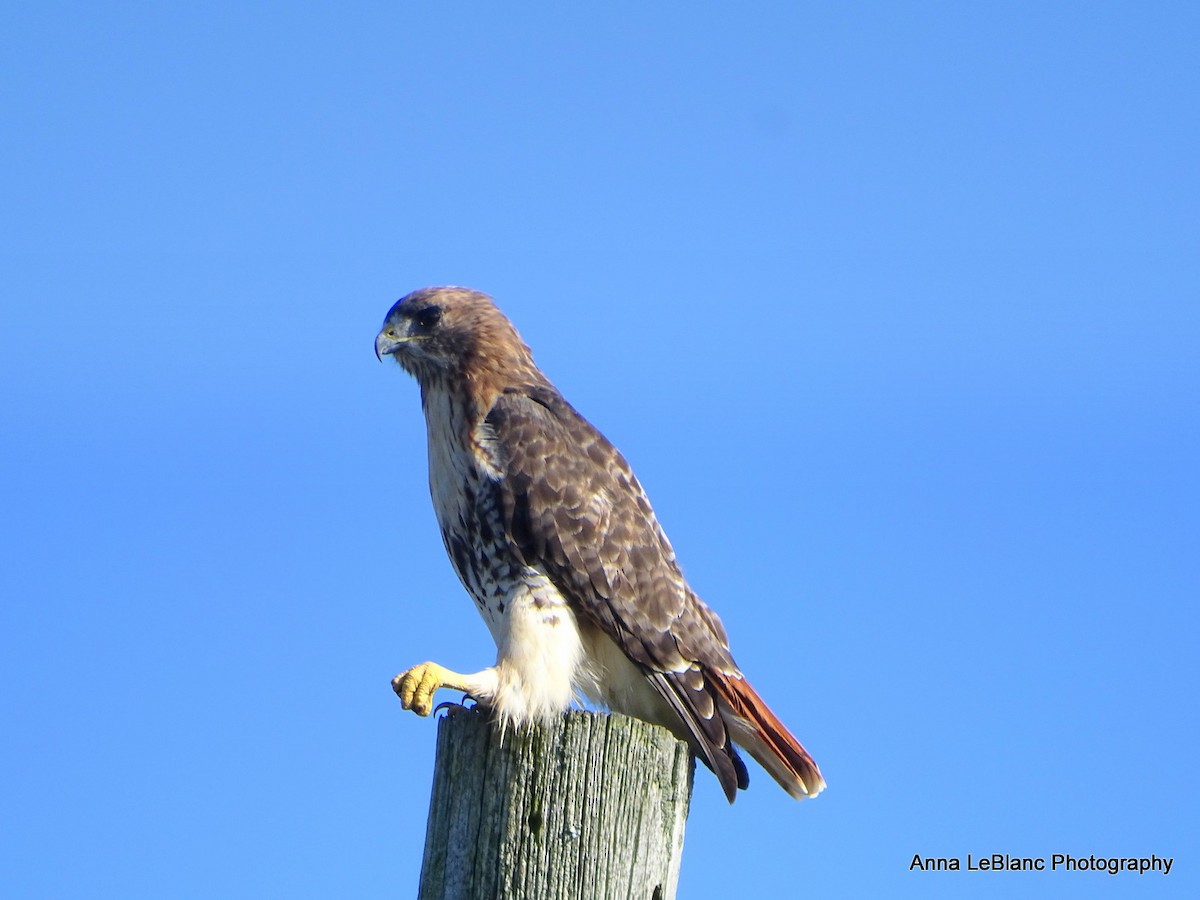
<point x="1002" y="862"/>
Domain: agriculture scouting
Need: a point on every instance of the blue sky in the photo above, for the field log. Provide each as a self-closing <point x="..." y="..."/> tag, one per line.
<point x="894" y="308"/>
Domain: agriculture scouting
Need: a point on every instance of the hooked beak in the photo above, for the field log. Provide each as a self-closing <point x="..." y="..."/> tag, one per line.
<point x="387" y="344"/>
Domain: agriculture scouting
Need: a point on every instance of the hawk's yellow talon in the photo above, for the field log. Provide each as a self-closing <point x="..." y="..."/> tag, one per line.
<point x="416" y="686"/>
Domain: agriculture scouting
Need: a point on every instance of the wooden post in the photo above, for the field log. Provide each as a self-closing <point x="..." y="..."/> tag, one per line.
<point x="590" y="805"/>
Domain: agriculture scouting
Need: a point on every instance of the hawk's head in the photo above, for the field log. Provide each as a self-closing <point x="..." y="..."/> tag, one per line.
<point x="447" y="333"/>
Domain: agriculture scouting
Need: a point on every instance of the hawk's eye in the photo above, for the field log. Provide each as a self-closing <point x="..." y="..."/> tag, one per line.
<point x="428" y="317"/>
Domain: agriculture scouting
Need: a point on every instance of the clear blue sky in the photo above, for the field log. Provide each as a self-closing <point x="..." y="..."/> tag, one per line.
<point x="895" y="309"/>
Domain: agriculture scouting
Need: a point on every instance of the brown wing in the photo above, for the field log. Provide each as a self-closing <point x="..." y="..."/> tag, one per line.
<point x="574" y="510"/>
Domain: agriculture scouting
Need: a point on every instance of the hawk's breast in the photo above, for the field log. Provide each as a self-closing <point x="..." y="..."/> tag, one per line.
<point x="466" y="501"/>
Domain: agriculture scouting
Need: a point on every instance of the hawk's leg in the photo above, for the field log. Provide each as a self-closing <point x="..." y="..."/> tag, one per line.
<point x="416" y="686"/>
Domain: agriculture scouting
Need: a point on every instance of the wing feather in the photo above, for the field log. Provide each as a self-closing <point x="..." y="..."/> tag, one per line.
<point x="574" y="510"/>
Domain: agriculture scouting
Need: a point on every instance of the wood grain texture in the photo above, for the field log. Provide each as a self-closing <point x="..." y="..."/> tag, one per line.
<point x="589" y="805"/>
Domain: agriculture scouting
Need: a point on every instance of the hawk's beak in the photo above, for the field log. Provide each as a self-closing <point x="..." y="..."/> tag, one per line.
<point x="386" y="344"/>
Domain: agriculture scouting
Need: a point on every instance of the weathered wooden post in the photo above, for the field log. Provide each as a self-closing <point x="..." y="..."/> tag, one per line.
<point x="591" y="805"/>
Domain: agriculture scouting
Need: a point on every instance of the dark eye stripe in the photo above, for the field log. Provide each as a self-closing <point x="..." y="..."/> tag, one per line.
<point x="429" y="316"/>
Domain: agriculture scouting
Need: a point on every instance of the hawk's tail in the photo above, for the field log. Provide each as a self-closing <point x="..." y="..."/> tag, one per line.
<point x="756" y="728"/>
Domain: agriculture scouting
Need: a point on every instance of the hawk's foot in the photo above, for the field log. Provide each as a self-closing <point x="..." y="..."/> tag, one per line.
<point x="416" y="686"/>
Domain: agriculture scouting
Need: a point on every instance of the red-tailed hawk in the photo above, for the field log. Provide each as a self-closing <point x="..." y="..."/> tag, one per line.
<point x="553" y="537"/>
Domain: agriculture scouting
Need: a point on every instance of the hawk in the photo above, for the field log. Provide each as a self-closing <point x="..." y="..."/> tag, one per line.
<point x="555" y="540"/>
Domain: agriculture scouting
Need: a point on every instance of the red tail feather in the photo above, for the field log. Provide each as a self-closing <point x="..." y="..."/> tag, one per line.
<point x="756" y="728"/>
